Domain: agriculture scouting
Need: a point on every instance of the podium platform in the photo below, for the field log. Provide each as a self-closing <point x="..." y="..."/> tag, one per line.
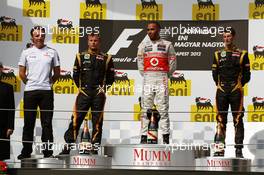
<point x="149" y="157"/>
<point x="153" y="156"/>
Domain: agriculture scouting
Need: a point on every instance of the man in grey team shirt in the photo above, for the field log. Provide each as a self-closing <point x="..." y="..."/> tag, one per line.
<point x="35" y="69"/>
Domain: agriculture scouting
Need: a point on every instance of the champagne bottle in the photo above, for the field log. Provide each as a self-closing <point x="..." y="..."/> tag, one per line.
<point x="152" y="134"/>
<point x="85" y="145"/>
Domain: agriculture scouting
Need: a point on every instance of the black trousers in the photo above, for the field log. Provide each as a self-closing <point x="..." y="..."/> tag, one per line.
<point x="235" y="100"/>
<point x="32" y="99"/>
<point x="84" y="103"/>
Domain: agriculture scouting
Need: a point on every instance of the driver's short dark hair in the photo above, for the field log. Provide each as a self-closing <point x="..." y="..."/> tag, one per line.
<point x="230" y="30"/>
<point x="155" y="22"/>
<point x="37" y="28"/>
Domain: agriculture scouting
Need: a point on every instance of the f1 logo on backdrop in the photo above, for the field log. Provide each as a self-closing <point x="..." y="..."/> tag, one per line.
<point x="126" y="36"/>
<point x="203" y="111"/>
<point x="123" y="85"/>
<point x="205" y="10"/>
<point x="149" y="10"/>
<point x="123" y="40"/>
<point x="10" y="31"/>
<point x="65" y="84"/>
<point x="178" y="85"/>
<point x="257" y="58"/>
<point x="92" y="9"/>
<point x="65" y="33"/>
<point x="36" y="8"/>
<point x="256" y="9"/>
<point x="8" y="76"/>
<point x="256" y="113"/>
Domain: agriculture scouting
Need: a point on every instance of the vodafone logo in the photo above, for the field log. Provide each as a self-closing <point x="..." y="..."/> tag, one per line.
<point x="154" y="61"/>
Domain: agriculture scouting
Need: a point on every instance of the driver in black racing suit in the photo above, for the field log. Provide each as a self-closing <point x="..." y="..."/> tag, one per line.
<point x="231" y="71"/>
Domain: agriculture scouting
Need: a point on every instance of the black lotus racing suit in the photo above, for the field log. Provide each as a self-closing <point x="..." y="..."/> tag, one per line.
<point x="92" y="73"/>
<point x="231" y="71"/>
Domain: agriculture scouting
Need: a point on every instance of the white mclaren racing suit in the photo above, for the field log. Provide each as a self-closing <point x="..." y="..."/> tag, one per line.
<point x="156" y="61"/>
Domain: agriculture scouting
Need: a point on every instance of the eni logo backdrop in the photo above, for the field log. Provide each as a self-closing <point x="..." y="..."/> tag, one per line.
<point x="64" y="33"/>
<point x="203" y="111"/>
<point x="256" y="110"/>
<point x="36" y="8"/>
<point x="65" y="84"/>
<point x="92" y="9"/>
<point x="9" y="77"/>
<point x="179" y="86"/>
<point x="205" y="10"/>
<point x="257" y="58"/>
<point x="149" y="10"/>
<point x="10" y="31"/>
<point x="256" y="9"/>
<point x="122" y="86"/>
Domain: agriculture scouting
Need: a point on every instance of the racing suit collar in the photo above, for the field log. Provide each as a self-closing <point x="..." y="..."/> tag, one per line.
<point x="155" y="41"/>
<point x="231" y="49"/>
<point x="93" y="52"/>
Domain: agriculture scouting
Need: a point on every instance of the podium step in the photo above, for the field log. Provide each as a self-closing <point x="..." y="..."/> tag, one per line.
<point x="42" y="163"/>
<point x="223" y="164"/>
<point x="153" y="156"/>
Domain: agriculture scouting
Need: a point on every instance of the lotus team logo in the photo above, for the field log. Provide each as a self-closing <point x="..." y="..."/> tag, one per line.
<point x="10" y="31"/>
<point x="257" y="58"/>
<point x="65" y="33"/>
<point x="9" y="77"/>
<point x="256" y="110"/>
<point x="92" y="9"/>
<point x="65" y="84"/>
<point x="178" y="85"/>
<point x="36" y="8"/>
<point x="148" y="10"/>
<point x="205" y="10"/>
<point x="122" y="85"/>
<point x="202" y="111"/>
<point x="256" y="9"/>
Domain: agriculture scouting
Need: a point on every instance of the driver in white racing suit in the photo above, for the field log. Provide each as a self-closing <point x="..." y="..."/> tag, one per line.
<point x="156" y="62"/>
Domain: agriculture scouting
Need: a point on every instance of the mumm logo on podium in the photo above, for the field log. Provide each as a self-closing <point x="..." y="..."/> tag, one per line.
<point x="151" y="157"/>
<point x="84" y="161"/>
<point x="219" y="163"/>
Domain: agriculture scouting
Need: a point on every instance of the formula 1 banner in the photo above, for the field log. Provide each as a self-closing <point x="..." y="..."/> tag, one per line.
<point x="194" y="41"/>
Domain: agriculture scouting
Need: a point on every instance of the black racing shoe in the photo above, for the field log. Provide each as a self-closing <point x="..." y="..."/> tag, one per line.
<point x="166" y="139"/>
<point x="239" y="153"/>
<point x="66" y="150"/>
<point x="143" y="139"/>
<point x="219" y="153"/>
<point x="94" y="152"/>
<point x="48" y="156"/>
<point x="23" y="156"/>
